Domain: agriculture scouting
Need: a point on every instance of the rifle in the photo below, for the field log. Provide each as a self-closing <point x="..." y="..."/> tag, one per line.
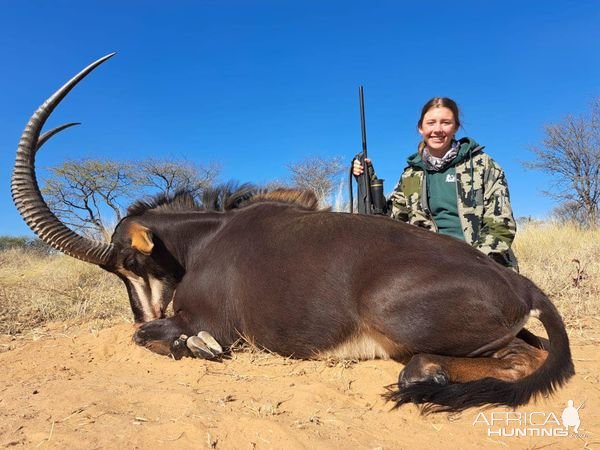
<point x="370" y="190"/>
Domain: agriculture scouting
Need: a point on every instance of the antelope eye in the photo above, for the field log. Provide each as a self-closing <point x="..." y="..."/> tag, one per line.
<point x="131" y="263"/>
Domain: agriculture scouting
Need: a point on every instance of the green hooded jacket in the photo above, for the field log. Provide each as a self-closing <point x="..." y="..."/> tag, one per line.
<point x="482" y="198"/>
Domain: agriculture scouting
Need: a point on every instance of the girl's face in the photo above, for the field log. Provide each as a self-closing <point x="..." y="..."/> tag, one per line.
<point x="438" y="129"/>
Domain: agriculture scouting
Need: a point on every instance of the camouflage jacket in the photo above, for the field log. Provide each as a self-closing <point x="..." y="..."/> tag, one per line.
<point x="483" y="202"/>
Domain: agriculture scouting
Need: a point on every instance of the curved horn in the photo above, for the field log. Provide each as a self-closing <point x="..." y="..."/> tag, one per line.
<point x="48" y="134"/>
<point x="26" y="192"/>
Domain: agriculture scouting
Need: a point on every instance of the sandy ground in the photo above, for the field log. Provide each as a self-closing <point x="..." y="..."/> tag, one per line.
<point x="84" y="389"/>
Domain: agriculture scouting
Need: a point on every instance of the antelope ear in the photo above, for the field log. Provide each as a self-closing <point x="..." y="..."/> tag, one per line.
<point x="141" y="238"/>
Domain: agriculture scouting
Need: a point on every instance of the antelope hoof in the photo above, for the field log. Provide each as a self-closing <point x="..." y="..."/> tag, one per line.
<point x="421" y="369"/>
<point x="211" y="342"/>
<point x="204" y="346"/>
<point x="440" y="378"/>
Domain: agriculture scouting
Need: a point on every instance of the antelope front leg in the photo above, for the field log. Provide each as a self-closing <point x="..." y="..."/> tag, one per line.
<point x="203" y="345"/>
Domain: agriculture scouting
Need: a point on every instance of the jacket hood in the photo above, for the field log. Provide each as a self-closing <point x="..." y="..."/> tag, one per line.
<point x="467" y="148"/>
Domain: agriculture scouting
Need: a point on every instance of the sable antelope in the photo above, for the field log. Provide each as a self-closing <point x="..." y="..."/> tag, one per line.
<point x="309" y="283"/>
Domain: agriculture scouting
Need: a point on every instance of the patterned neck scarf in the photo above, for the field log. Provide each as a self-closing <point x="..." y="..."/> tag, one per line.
<point x="436" y="164"/>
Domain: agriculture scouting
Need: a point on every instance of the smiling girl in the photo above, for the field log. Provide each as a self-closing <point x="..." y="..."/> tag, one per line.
<point x="452" y="187"/>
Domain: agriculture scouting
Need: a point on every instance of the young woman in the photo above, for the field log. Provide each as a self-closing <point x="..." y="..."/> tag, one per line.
<point x="452" y="187"/>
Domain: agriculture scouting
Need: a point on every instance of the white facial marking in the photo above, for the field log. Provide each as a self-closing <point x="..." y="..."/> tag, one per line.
<point x="144" y="296"/>
<point x="156" y="290"/>
<point x="149" y="294"/>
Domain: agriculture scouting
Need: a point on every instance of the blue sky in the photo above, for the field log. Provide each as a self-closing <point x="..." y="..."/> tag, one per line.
<point x="256" y="85"/>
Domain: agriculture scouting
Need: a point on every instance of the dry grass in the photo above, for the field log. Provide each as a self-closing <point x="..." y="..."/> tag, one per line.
<point x="37" y="290"/>
<point x="563" y="261"/>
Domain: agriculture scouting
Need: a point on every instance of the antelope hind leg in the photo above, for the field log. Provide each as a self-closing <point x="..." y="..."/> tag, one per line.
<point x="513" y="362"/>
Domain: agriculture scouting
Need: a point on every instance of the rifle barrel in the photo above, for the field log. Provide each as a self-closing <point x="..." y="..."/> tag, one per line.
<point x="363" y="125"/>
<point x="364" y="178"/>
